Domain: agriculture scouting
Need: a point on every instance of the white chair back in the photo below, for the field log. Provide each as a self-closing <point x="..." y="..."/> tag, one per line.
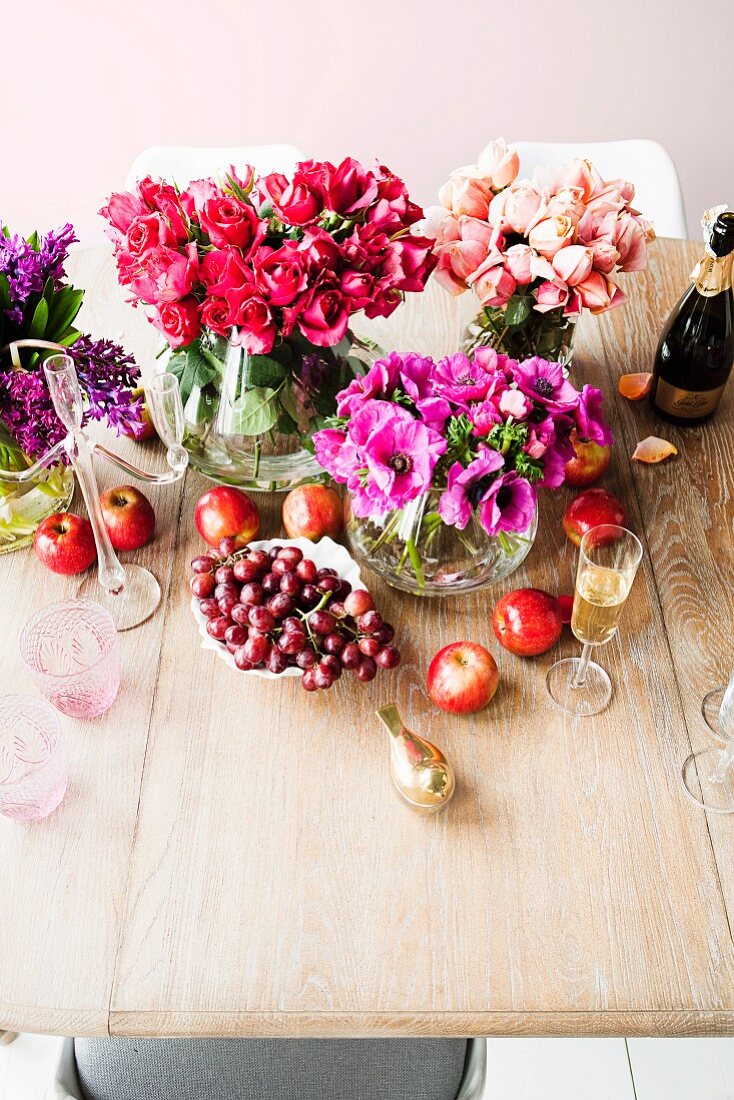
<point x="184" y="163"/>
<point x="645" y="163"/>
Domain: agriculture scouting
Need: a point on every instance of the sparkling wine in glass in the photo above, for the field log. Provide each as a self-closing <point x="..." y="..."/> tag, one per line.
<point x="608" y="561"/>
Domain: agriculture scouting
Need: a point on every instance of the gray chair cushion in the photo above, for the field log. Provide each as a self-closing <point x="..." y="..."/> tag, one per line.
<point x="270" y="1069"/>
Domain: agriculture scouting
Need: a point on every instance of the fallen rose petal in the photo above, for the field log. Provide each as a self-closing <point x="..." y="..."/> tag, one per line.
<point x="653" y="449"/>
<point x="635" y="386"/>
<point x="566" y="605"/>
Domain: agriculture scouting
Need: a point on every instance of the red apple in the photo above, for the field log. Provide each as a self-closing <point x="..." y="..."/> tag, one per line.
<point x="566" y="605"/>
<point x="65" y="543"/>
<point x="128" y="517"/>
<point x="589" y="463"/>
<point x="527" y="621"/>
<point x="312" y="511"/>
<point x="588" y="510"/>
<point x="226" y="512"/>
<point x="148" y="430"/>
<point x="462" y="678"/>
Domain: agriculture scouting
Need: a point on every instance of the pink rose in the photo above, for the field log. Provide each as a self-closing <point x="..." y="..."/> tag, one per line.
<point x="280" y="273"/>
<point x="358" y="289"/>
<point x="323" y="319"/>
<point x="492" y="283"/>
<point x="350" y="187"/>
<point x="320" y="251"/>
<point x="441" y="226"/>
<point x="148" y="231"/>
<point x="598" y="293"/>
<point x="605" y="255"/>
<point x="518" y="260"/>
<point x="166" y="274"/>
<point x="229" y="221"/>
<point x="550" y="296"/>
<point x="121" y="209"/>
<point x="460" y="258"/>
<point x="225" y="274"/>
<point x="466" y="192"/>
<point x="582" y="174"/>
<point x="198" y="193"/>
<point x="550" y="234"/>
<point x="411" y="262"/>
<point x="393" y="209"/>
<point x="568" y="201"/>
<point x="573" y="263"/>
<point x="294" y="202"/>
<point x="164" y="198"/>
<point x="178" y="321"/>
<point x="217" y="316"/>
<point x="498" y="164"/>
<point x="630" y="240"/>
<point x="515" y="208"/>
<point x="256" y="326"/>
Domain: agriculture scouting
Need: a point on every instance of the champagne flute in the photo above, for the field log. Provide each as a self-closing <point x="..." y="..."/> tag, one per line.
<point x="608" y="561"/>
<point x="708" y="778"/>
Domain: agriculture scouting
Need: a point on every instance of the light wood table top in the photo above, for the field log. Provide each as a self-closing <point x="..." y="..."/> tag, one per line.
<point x="230" y="858"/>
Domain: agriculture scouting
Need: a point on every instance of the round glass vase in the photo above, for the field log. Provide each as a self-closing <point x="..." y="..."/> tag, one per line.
<point x="249" y="418"/>
<point x="522" y="332"/>
<point x="24" y="507"/>
<point x="412" y="549"/>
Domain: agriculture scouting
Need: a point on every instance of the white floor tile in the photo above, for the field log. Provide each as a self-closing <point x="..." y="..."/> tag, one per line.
<point x="683" y="1069"/>
<point x="558" y="1069"/>
<point x="27" y="1067"/>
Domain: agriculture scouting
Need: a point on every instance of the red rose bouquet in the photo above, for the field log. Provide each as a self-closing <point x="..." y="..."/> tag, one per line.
<point x="266" y="272"/>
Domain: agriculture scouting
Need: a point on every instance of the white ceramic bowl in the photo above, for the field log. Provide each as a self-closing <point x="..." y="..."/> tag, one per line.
<point x="324" y="553"/>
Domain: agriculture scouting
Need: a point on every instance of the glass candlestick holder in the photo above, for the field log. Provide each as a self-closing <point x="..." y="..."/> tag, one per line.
<point x="130" y="594"/>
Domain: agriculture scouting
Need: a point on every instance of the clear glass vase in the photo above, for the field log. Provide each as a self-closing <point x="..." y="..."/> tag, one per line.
<point x="412" y="549"/>
<point x="250" y="418"/>
<point x="522" y="333"/>
<point x="24" y="507"/>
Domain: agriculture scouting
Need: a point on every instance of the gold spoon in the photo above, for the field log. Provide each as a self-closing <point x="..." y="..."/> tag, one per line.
<point x="421" y="773"/>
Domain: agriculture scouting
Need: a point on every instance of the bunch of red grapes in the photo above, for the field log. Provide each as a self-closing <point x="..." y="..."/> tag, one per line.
<point x="276" y="609"/>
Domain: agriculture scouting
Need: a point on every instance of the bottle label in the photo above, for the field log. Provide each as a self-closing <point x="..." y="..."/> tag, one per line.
<point x="687" y="404"/>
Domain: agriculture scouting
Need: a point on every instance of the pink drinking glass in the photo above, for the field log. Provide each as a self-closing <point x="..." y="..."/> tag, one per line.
<point x="72" y="651"/>
<point x="33" y="772"/>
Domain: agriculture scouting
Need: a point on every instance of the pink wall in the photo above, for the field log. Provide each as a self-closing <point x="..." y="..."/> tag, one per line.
<point x="418" y="83"/>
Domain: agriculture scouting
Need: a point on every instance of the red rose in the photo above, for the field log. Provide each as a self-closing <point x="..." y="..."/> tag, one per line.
<point x="164" y="198"/>
<point x="414" y="261"/>
<point x="228" y="221"/>
<point x="319" y="250"/>
<point x="226" y="275"/>
<point x="217" y="315"/>
<point x="358" y="288"/>
<point x="393" y="209"/>
<point x="323" y="318"/>
<point x="166" y="274"/>
<point x="386" y="300"/>
<point x="350" y="187"/>
<point x="178" y="321"/>
<point x="255" y="323"/>
<point x="280" y="273"/>
<point x="294" y="202"/>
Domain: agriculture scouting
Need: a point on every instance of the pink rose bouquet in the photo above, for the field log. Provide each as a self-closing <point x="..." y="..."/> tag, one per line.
<point x="478" y="435"/>
<point x="276" y="266"/>
<point x="534" y="252"/>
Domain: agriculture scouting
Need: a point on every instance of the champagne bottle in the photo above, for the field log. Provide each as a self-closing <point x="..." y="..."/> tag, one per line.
<point x="696" y="351"/>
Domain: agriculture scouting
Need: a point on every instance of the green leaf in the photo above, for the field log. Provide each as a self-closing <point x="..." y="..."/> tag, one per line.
<point x="255" y="412"/>
<point x="191" y="369"/>
<point x="288" y="401"/>
<point x="64" y="308"/>
<point x="11" y="456"/>
<point x="4" y="291"/>
<point x="263" y="370"/>
<point x="69" y="338"/>
<point x="37" y="329"/>
<point x="518" y="310"/>
<point x="33" y="241"/>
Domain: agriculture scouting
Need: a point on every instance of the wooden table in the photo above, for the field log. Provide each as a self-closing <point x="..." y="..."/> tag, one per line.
<point x="230" y="858"/>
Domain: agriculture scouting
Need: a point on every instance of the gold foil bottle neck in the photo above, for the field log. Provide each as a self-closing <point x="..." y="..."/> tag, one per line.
<point x="420" y="772"/>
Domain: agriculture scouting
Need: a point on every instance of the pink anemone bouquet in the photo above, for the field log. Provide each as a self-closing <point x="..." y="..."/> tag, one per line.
<point x="483" y="432"/>
<point x="535" y="252"/>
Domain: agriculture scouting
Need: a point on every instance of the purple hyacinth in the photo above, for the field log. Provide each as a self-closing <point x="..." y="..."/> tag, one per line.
<point x="27" y="269"/>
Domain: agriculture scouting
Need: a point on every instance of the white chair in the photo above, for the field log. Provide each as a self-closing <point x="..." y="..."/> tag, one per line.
<point x="184" y="163"/>
<point x="645" y="163"/>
